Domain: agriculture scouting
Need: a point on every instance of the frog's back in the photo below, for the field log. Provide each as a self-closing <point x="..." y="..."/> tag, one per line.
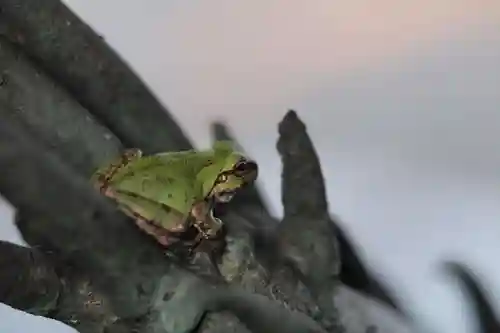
<point x="167" y="178"/>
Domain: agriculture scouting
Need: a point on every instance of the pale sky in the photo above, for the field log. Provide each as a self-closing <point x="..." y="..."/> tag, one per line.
<point x="400" y="98"/>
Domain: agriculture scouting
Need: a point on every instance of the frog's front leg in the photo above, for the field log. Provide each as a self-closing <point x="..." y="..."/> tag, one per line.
<point x="206" y="223"/>
<point x="103" y="176"/>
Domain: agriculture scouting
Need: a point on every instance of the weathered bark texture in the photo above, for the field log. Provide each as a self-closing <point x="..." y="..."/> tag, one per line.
<point x="306" y="233"/>
<point x="68" y="104"/>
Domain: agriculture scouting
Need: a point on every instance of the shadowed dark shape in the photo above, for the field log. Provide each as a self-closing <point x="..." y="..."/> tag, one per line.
<point x="356" y="275"/>
<point x="486" y="317"/>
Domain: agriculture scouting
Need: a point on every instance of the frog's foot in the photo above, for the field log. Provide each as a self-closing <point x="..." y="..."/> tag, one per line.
<point x="208" y="230"/>
<point x="131" y="154"/>
<point x="105" y="175"/>
<point x="203" y="229"/>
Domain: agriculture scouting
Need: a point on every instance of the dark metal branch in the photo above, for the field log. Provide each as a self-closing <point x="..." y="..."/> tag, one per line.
<point x="486" y="317"/>
<point x="76" y="57"/>
<point x="29" y="97"/>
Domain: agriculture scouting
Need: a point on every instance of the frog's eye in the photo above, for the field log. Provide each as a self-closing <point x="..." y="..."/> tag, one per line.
<point x="245" y="168"/>
<point x="223" y="178"/>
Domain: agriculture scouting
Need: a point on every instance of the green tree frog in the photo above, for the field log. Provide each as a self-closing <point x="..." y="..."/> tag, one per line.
<point x="166" y="193"/>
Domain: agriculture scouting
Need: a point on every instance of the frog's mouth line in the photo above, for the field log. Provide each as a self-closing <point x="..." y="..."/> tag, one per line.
<point x="225" y="196"/>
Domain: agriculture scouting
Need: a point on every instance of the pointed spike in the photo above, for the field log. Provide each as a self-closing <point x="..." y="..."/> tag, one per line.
<point x="303" y="188"/>
<point x="306" y="235"/>
<point x="485" y="314"/>
<point x="249" y="196"/>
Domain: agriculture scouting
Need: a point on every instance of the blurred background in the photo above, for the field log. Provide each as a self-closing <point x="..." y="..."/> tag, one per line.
<point x="401" y="99"/>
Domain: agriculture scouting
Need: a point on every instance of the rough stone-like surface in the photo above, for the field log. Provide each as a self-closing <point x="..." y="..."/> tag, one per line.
<point x="29" y="282"/>
<point x="358" y="312"/>
<point x="307" y="231"/>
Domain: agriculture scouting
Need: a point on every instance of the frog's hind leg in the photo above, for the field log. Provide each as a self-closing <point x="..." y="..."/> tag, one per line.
<point x="102" y="176"/>
<point x="161" y="235"/>
<point x="145" y="214"/>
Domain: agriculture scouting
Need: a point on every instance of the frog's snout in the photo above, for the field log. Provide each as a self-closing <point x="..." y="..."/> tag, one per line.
<point x="248" y="170"/>
<point x="225" y="196"/>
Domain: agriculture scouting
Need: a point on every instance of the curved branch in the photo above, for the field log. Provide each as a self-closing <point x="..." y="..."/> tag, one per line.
<point x="29" y="97"/>
<point x="260" y="315"/>
<point x="72" y="54"/>
<point x="483" y="309"/>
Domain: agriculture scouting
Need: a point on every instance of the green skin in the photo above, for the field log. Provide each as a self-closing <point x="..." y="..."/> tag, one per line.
<point x="168" y="192"/>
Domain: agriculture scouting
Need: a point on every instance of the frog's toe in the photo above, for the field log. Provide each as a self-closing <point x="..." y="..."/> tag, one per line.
<point x="146" y="226"/>
<point x="165" y="240"/>
<point x="202" y="230"/>
<point x="132" y="153"/>
<point x="108" y="192"/>
<point x="178" y="228"/>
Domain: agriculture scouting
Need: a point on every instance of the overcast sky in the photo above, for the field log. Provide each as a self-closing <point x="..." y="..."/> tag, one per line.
<point x="400" y="97"/>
